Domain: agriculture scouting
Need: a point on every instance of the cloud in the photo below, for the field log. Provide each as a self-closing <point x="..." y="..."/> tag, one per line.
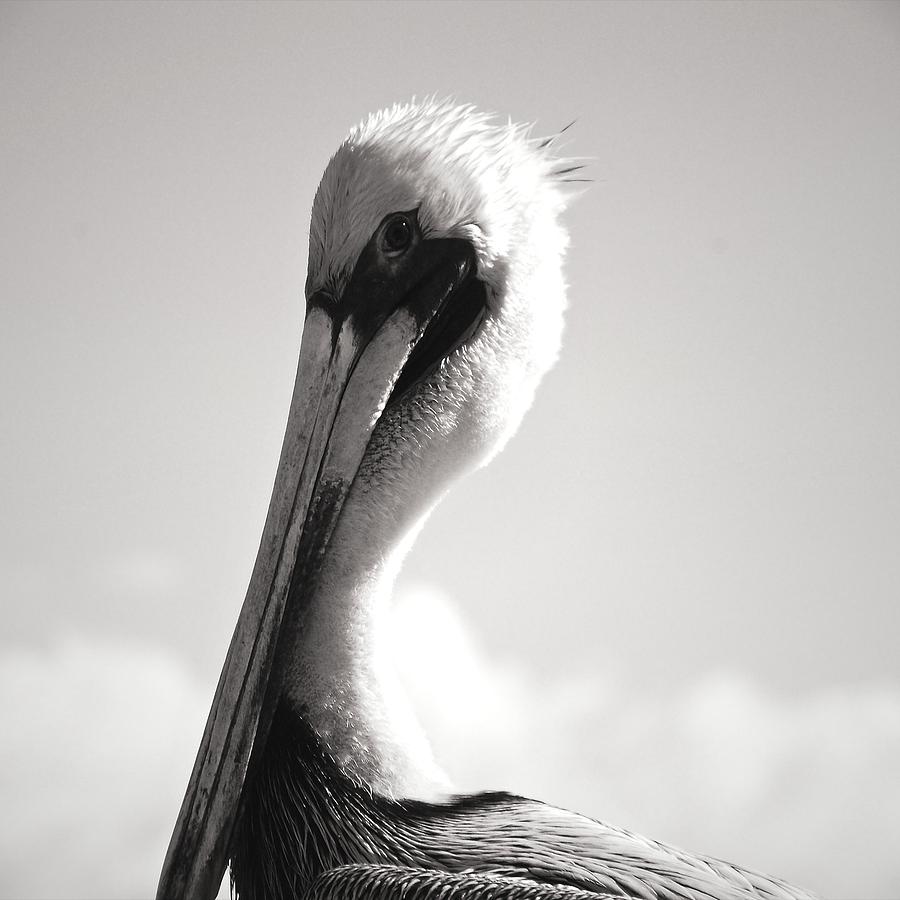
<point x="97" y="746"/>
<point x="99" y="738"/>
<point x="807" y="788"/>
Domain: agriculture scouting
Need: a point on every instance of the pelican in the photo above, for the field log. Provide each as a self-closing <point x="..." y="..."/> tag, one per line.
<point x="434" y="305"/>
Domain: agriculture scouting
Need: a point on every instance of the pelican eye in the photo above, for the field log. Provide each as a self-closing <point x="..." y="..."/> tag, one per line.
<point x="397" y="235"/>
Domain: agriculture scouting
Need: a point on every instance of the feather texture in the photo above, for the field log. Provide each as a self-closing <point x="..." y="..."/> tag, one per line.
<point x="397" y="883"/>
<point x="467" y="175"/>
<point x="304" y="818"/>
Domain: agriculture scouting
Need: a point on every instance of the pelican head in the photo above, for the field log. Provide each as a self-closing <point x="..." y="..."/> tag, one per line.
<point x="451" y="189"/>
<point x="434" y="306"/>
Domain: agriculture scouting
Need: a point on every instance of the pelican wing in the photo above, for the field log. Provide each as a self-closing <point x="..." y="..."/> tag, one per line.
<point x="515" y="836"/>
<point x="373" y="882"/>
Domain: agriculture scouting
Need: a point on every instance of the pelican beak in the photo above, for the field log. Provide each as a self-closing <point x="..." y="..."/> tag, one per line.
<point x="352" y="354"/>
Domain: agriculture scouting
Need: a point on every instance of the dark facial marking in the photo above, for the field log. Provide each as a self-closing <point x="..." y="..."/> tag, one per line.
<point x="400" y="267"/>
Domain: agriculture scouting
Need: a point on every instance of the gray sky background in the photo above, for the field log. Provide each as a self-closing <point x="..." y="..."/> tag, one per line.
<point x="670" y="603"/>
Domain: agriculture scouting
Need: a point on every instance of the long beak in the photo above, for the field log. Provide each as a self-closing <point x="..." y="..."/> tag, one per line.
<point x="347" y="370"/>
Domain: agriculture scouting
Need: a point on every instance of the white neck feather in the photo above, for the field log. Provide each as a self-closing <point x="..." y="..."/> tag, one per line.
<point x="342" y="677"/>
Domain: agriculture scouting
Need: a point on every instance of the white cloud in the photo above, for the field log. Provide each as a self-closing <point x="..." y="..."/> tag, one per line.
<point x="99" y="738"/>
<point x="97" y="745"/>
<point x="806" y="788"/>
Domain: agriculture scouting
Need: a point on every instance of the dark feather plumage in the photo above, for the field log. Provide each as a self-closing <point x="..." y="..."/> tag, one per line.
<point x="304" y="818"/>
<point x="366" y="882"/>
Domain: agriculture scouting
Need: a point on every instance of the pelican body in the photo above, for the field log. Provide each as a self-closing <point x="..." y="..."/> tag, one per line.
<point x="434" y="306"/>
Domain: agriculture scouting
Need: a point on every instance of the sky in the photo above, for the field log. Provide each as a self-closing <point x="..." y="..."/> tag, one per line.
<point x="670" y="603"/>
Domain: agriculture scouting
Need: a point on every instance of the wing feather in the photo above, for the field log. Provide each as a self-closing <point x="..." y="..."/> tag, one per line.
<point x="382" y="882"/>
